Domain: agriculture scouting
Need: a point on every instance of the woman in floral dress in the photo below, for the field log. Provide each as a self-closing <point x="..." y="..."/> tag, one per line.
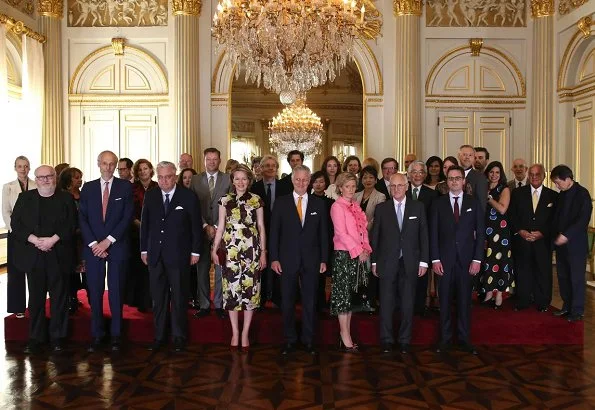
<point x="241" y="232"/>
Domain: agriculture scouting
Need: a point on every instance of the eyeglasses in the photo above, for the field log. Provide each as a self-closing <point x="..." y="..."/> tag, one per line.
<point x="393" y="186"/>
<point x="417" y="172"/>
<point x="45" y="177"/>
<point x="389" y="168"/>
<point x="454" y="179"/>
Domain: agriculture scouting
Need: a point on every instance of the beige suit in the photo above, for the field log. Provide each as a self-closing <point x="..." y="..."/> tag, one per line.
<point x="375" y="198"/>
<point x="10" y="194"/>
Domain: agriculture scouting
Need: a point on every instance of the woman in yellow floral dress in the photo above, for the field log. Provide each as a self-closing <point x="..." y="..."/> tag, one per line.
<point x="241" y="228"/>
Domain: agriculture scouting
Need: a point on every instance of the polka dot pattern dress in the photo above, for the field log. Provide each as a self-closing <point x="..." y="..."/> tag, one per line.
<point x="497" y="272"/>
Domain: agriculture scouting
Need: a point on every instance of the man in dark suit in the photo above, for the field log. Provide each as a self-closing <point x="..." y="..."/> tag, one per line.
<point x="456" y="247"/>
<point x="209" y="187"/>
<point x="482" y="157"/>
<point x="43" y="222"/>
<point x="170" y="242"/>
<point x="476" y="182"/>
<point x="298" y="249"/>
<point x="531" y="214"/>
<point x="294" y="158"/>
<point x="401" y="256"/>
<point x="389" y="166"/>
<point x="417" y="191"/>
<point x="569" y="232"/>
<point x="105" y="214"/>
<point x="519" y="169"/>
<point x="269" y="189"/>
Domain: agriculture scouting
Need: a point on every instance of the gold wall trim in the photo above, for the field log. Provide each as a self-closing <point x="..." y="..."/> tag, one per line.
<point x="108" y="49"/>
<point x="186" y="7"/>
<point x="542" y="8"/>
<point x="407" y="7"/>
<point x="51" y="8"/>
<point x="466" y="101"/>
<point x="18" y="27"/>
<point x="576" y="92"/>
<point x="118" y="44"/>
<point x="566" y="6"/>
<point x="569" y="52"/>
<point x="465" y="50"/>
<point x="118" y="98"/>
<point x="584" y="25"/>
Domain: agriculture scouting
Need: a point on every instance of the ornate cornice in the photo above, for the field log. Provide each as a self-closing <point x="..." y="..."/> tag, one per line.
<point x="407" y="7"/>
<point x="51" y="8"/>
<point x="186" y="7"/>
<point x="542" y="8"/>
<point x="18" y="28"/>
<point x="566" y="6"/>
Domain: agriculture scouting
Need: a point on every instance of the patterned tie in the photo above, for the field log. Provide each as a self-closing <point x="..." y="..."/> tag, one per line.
<point x="211" y="185"/>
<point x="535" y="200"/>
<point x="166" y="203"/>
<point x="520" y="184"/>
<point x="456" y="209"/>
<point x="414" y="195"/>
<point x="400" y="216"/>
<point x="105" y="199"/>
<point x="299" y="209"/>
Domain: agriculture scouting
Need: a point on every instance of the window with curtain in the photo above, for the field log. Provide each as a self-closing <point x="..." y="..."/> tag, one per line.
<point x="244" y="148"/>
<point x="344" y="148"/>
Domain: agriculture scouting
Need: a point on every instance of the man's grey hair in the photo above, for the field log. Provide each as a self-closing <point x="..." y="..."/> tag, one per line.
<point x="300" y="168"/>
<point x="423" y="166"/>
<point x="167" y="164"/>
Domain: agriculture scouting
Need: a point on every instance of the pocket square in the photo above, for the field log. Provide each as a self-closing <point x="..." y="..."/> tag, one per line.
<point x="178" y="207"/>
<point x="413" y="217"/>
<point x="550" y="205"/>
<point x="117" y="199"/>
<point x="313" y="213"/>
<point x="469" y="210"/>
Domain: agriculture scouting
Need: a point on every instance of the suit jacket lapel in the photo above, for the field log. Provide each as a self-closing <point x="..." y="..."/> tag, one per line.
<point x="406" y="215"/>
<point x="393" y="215"/>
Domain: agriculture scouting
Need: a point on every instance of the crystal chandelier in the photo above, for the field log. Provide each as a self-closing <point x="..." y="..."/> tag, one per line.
<point x="290" y="44"/>
<point x="296" y="127"/>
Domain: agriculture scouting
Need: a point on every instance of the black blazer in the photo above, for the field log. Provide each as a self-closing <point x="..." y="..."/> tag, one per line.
<point x="476" y="185"/>
<point x="449" y="240"/>
<point x="388" y="241"/>
<point x="425" y="195"/>
<point x="171" y="236"/>
<point x="522" y="217"/>
<point x="25" y="221"/>
<point x="281" y="189"/>
<point x="381" y="187"/>
<point x="572" y="217"/>
<point x="296" y="246"/>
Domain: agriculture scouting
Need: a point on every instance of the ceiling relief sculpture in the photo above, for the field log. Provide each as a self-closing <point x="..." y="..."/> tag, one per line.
<point x="24" y="6"/>
<point x="476" y="13"/>
<point x="566" y="6"/>
<point x="117" y="13"/>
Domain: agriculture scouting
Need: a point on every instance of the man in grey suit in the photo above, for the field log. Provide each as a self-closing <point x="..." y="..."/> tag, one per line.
<point x="209" y="186"/>
<point x="401" y="255"/>
<point x="476" y="182"/>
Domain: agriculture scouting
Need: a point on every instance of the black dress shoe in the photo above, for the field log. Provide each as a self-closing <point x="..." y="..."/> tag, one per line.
<point x="310" y="349"/>
<point x="561" y="313"/>
<point x="575" y="317"/>
<point x="32" y="348"/>
<point x="288" y="349"/>
<point x="179" y="344"/>
<point x="155" y="346"/>
<point x="116" y="343"/>
<point x="220" y="313"/>
<point x="542" y="309"/>
<point x="57" y="347"/>
<point x="202" y="313"/>
<point x="404" y="348"/>
<point x="95" y="345"/>
<point x="468" y="348"/>
<point x="443" y="347"/>
<point x="387" y="348"/>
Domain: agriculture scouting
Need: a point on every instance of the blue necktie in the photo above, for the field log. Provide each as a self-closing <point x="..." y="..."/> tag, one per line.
<point x="166" y="203"/>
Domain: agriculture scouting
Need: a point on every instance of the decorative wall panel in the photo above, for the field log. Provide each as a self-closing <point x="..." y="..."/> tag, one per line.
<point x="476" y="13"/>
<point x="116" y="13"/>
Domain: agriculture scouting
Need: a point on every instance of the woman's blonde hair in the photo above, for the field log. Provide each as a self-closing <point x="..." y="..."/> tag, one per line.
<point x="342" y="179"/>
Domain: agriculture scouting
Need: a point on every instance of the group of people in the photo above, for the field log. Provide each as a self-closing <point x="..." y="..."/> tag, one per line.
<point x="389" y="241"/>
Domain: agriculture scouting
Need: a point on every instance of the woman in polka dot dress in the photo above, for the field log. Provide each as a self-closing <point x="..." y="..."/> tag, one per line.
<point x="497" y="274"/>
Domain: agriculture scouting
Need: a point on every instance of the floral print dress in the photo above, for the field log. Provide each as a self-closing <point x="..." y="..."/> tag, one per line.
<point x="241" y="275"/>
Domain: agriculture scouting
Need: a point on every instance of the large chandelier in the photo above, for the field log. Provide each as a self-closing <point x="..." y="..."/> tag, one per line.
<point x="296" y="127"/>
<point x="290" y="44"/>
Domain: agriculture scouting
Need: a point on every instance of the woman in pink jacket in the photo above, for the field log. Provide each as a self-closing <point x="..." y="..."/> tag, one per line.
<point x="352" y="250"/>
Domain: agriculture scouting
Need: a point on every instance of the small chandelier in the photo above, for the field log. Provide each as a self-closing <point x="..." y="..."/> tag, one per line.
<point x="290" y="45"/>
<point x="296" y="127"/>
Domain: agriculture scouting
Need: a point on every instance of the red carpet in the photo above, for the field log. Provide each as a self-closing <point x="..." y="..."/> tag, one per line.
<point x="488" y="327"/>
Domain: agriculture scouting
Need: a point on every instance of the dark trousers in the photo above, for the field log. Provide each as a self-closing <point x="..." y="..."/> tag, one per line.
<point x="457" y="281"/>
<point x="15" y="287"/>
<point x="309" y="287"/>
<point x="533" y="274"/>
<point x="571" y="278"/>
<point x="167" y="280"/>
<point x="421" y="291"/>
<point x="271" y="288"/>
<point x="116" y="280"/>
<point x="392" y="283"/>
<point x="47" y="277"/>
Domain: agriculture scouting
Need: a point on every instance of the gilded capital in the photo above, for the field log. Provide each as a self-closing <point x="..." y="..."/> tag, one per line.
<point x="186" y="7"/>
<point x="542" y="8"/>
<point x="51" y="8"/>
<point x="407" y="7"/>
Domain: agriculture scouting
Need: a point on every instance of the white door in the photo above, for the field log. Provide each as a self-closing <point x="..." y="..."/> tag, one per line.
<point x="101" y="131"/>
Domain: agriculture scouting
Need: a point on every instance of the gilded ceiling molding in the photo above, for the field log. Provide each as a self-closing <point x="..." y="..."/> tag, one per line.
<point x="542" y="8"/>
<point x="186" y="7"/>
<point x="51" y="8"/>
<point x="584" y="25"/>
<point x="475" y="45"/>
<point x="407" y="7"/>
<point x="118" y="45"/>
<point x="566" y="6"/>
<point x="18" y="28"/>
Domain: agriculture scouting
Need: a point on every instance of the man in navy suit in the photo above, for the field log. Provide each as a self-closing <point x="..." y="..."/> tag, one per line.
<point x="298" y="247"/>
<point x="170" y="240"/>
<point x="571" y="222"/>
<point x="105" y="215"/>
<point x="456" y="247"/>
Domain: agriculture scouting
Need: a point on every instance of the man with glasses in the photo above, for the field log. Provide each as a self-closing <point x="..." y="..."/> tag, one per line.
<point x="43" y="223"/>
<point x="457" y="238"/>
<point x="105" y="214"/>
<point x="125" y="169"/>
<point x="389" y="166"/>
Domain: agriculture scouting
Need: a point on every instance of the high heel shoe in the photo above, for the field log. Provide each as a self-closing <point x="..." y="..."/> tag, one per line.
<point x="233" y="348"/>
<point x="342" y="348"/>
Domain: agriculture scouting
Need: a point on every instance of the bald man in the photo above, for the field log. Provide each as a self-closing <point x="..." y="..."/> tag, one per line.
<point x="519" y="169"/>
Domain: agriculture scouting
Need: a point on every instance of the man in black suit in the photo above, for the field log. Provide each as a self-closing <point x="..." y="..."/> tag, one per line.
<point x="389" y="166"/>
<point x="476" y="182"/>
<point x="401" y="256"/>
<point x="571" y="222"/>
<point x="43" y="222"/>
<point x="170" y="240"/>
<point x="294" y="158"/>
<point x="456" y="247"/>
<point x="269" y="189"/>
<point x="299" y="250"/>
<point x="531" y="214"/>
<point x="417" y="191"/>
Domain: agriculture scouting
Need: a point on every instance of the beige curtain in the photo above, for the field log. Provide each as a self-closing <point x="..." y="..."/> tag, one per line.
<point x="33" y="96"/>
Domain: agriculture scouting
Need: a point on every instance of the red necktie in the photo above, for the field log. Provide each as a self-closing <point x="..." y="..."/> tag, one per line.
<point x="456" y="209"/>
<point x="105" y="199"/>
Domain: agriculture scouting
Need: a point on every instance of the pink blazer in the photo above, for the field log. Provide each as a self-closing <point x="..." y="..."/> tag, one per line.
<point x="350" y="223"/>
